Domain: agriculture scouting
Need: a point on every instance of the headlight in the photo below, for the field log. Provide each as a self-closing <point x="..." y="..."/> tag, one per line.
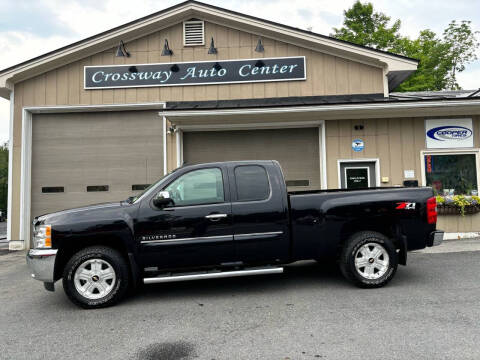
<point x="42" y="236"/>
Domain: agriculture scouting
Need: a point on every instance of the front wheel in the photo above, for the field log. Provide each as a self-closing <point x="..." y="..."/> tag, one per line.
<point x="369" y="259"/>
<point x="96" y="277"/>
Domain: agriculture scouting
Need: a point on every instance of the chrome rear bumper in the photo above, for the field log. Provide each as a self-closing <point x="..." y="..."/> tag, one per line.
<point x="41" y="263"/>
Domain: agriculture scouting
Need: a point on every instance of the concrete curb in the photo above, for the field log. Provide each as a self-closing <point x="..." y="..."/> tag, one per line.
<point x="461" y="235"/>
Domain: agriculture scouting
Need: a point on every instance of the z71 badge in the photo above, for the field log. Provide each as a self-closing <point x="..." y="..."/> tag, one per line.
<point x="405" y="206"/>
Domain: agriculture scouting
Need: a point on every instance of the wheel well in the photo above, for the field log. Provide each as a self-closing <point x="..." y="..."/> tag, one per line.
<point x="70" y="248"/>
<point x="389" y="230"/>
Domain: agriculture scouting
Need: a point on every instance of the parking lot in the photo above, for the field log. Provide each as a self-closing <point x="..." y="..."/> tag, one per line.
<point x="431" y="310"/>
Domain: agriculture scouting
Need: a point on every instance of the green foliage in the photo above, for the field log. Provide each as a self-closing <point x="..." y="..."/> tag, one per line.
<point x="363" y="26"/>
<point x="441" y="58"/>
<point x="435" y="63"/>
<point x="463" y="44"/>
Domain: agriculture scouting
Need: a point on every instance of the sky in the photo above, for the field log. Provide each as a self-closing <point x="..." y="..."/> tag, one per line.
<point x="29" y="28"/>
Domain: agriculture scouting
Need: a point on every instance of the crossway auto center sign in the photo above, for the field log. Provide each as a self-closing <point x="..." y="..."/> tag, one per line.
<point x="449" y="133"/>
<point x="195" y="73"/>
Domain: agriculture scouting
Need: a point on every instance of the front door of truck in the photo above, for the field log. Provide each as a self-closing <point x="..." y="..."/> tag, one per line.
<point x="194" y="228"/>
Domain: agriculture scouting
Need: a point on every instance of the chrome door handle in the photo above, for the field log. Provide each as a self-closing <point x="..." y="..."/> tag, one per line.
<point x="215" y="217"/>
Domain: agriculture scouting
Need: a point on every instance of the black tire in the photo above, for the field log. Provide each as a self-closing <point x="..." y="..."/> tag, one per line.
<point x="119" y="286"/>
<point x="351" y="250"/>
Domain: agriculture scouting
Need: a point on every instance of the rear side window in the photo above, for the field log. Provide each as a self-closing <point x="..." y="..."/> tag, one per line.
<point x="252" y="183"/>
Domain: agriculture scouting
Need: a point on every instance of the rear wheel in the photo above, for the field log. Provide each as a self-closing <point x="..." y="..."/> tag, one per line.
<point x="369" y="259"/>
<point x="96" y="277"/>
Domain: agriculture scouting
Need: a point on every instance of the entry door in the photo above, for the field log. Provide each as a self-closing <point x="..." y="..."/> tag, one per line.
<point x="195" y="230"/>
<point x="357" y="175"/>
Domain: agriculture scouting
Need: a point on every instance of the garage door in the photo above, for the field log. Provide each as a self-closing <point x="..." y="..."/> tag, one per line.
<point x="81" y="159"/>
<point x="295" y="149"/>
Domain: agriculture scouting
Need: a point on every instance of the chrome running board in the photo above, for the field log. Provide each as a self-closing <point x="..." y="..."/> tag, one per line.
<point x="212" y="275"/>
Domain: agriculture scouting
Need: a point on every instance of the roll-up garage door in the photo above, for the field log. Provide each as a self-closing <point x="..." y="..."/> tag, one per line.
<point x="297" y="150"/>
<point x="86" y="158"/>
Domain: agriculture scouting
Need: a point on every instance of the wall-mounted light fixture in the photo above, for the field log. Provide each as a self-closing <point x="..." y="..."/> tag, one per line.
<point x="217" y="66"/>
<point x="174" y="68"/>
<point x="172" y="129"/>
<point x="121" y="51"/>
<point x="166" y="49"/>
<point x="259" y="47"/>
<point x="259" y="64"/>
<point x="212" y="49"/>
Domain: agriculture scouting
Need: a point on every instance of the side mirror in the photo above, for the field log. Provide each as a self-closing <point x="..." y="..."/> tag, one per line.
<point x="162" y="199"/>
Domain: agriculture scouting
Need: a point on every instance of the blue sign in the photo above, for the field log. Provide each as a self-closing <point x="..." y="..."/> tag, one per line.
<point x="443" y="133"/>
<point x="358" y="145"/>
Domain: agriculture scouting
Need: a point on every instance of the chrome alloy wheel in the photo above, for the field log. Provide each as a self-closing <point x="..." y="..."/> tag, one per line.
<point x="372" y="261"/>
<point x="94" y="279"/>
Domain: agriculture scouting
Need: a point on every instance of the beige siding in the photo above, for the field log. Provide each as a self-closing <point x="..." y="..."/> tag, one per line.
<point x="395" y="142"/>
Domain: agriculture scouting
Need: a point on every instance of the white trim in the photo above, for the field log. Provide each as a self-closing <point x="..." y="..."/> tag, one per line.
<point x="26" y="179"/>
<point x="164" y="130"/>
<point x="249" y="126"/>
<point x="26" y="153"/>
<point x="10" y="165"/>
<point x="377" y="168"/>
<point x="457" y="151"/>
<point x="179" y="143"/>
<point x="323" y="154"/>
<point x="356" y="167"/>
<point x="325" y="108"/>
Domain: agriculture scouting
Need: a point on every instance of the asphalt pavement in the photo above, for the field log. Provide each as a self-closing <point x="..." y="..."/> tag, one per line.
<point x="431" y="310"/>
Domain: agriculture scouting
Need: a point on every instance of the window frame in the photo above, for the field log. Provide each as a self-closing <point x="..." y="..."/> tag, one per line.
<point x="225" y="194"/>
<point x="423" y="153"/>
<point x="234" y="178"/>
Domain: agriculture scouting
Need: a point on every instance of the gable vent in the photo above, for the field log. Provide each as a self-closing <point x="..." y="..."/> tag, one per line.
<point x="193" y="33"/>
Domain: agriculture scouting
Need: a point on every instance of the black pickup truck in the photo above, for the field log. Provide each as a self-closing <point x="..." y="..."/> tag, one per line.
<point x="228" y="219"/>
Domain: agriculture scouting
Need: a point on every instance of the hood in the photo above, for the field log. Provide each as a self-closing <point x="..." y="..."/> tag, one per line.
<point x="77" y="212"/>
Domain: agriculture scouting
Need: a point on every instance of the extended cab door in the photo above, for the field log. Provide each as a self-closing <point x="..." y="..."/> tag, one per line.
<point x="260" y="212"/>
<point x="195" y="229"/>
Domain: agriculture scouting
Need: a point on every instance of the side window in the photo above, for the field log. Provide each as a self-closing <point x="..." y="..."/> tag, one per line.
<point x="252" y="183"/>
<point x="197" y="187"/>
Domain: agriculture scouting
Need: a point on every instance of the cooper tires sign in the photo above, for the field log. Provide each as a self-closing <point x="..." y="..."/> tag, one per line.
<point x="449" y="133"/>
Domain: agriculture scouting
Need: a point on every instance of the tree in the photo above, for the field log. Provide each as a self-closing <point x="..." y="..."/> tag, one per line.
<point x="463" y="45"/>
<point x="434" y="65"/>
<point x="441" y="58"/>
<point x="363" y="26"/>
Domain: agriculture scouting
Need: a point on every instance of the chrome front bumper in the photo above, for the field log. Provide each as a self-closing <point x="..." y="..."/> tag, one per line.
<point x="436" y="238"/>
<point x="42" y="263"/>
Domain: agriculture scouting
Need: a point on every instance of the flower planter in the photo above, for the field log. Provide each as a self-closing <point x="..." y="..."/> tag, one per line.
<point x="447" y="209"/>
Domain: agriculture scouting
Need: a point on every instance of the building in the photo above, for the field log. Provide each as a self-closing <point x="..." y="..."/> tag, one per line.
<point x="102" y="118"/>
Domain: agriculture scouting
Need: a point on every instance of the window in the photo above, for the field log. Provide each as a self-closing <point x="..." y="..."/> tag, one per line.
<point x="252" y="183"/>
<point x="451" y="173"/>
<point x="193" y="33"/>
<point x="137" y="187"/>
<point x="52" y="189"/>
<point x="197" y="187"/>
<point x="297" y="182"/>
<point x="97" y="188"/>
